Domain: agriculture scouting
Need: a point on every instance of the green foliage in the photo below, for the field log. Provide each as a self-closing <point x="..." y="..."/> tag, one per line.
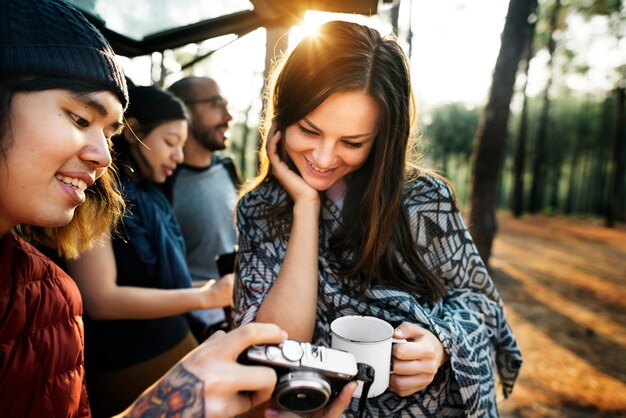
<point x="451" y="130"/>
<point x="600" y="7"/>
<point x="579" y="143"/>
<point x="549" y="211"/>
<point x="448" y="138"/>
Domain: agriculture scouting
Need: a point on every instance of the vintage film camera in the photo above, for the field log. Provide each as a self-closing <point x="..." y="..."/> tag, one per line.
<point x="309" y="376"/>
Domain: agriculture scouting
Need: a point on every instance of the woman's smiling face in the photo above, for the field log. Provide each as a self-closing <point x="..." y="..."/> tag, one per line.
<point x="333" y="140"/>
<point x="59" y="145"/>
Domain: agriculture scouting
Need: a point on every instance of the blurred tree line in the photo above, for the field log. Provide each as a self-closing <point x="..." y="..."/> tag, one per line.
<point x="560" y="152"/>
<point x="557" y="151"/>
<point x="575" y="163"/>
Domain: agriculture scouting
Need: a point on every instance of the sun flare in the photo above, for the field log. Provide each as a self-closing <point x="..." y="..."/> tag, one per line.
<point x="309" y="27"/>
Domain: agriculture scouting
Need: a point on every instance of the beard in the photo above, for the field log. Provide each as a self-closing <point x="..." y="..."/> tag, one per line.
<point x="211" y="138"/>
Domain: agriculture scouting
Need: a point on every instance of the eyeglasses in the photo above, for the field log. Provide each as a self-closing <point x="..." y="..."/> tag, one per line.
<point x="215" y="102"/>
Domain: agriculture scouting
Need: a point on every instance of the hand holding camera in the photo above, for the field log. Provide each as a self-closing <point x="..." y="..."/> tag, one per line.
<point x="309" y="376"/>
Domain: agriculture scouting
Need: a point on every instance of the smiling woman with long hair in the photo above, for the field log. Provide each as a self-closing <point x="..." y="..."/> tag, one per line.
<point x="342" y="221"/>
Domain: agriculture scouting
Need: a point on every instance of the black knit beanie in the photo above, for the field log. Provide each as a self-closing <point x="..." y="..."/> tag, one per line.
<point x="51" y="38"/>
<point x="151" y="105"/>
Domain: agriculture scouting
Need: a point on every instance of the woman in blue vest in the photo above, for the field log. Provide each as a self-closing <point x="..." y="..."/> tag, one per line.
<point x="136" y="286"/>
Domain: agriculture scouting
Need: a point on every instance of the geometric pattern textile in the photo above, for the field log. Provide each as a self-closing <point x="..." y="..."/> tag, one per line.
<point x="468" y="320"/>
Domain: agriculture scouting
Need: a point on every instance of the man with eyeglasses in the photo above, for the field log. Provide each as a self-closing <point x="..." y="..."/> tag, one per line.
<point x="203" y="190"/>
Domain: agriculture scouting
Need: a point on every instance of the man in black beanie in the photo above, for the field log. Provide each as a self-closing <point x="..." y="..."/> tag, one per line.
<point x="62" y="96"/>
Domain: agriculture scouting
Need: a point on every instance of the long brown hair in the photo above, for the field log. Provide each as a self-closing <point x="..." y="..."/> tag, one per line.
<point x="376" y="232"/>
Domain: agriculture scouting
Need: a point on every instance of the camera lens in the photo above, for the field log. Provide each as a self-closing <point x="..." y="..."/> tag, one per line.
<point x="302" y="391"/>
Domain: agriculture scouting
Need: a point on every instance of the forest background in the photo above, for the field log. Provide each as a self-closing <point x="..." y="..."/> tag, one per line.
<point x="534" y="146"/>
<point x="558" y="143"/>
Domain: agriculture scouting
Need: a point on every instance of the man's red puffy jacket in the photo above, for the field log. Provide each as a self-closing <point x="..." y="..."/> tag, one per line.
<point x="41" y="336"/>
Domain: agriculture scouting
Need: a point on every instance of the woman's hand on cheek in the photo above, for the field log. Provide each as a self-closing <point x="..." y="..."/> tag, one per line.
<point x="416" y="362"/>
<point x="295" y="185"/>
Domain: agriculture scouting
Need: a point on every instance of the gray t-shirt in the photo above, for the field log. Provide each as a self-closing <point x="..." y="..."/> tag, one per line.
<point x="204" y="201"/>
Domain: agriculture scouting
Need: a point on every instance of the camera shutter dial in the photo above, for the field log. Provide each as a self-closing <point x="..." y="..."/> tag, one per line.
<point x="292" y="350"/>
<point x="273" y="353"/>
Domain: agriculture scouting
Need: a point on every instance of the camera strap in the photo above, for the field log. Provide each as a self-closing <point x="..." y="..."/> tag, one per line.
<point x="365" y="373"/>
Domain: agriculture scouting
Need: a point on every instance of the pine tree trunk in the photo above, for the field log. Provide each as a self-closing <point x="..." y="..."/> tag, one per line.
<point x="490" y="140"/>
<point x="539" y="171"/>
<point x="517" y="200"/>
<point x="536" y="200"/>
<point x="574" y="163"/>
<point x="616" y="190"/>
<point x="519" y="160"/>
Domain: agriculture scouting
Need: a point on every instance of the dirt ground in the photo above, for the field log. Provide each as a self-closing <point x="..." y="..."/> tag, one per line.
<point x="563" y="282"/>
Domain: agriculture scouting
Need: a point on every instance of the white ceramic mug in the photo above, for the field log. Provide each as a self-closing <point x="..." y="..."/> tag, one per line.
<point x="369" y="340"/>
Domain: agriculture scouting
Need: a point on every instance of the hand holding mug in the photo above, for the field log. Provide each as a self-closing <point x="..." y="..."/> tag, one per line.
<point x="415" y="363"/>
<point x="370" y="341"/>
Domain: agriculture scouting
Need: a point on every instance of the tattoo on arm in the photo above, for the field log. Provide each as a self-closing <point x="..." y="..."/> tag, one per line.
<point x="180" y="394"/>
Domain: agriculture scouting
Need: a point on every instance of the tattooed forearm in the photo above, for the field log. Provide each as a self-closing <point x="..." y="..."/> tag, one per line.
<point x="178" y="395"/>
